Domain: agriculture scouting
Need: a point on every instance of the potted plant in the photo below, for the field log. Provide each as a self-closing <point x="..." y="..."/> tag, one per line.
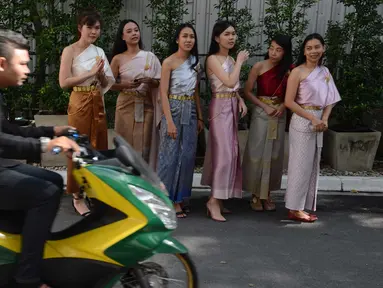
<point x="355" y="59"/>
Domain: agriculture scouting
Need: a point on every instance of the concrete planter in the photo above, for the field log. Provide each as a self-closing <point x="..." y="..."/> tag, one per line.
<point x="350" y="151"/>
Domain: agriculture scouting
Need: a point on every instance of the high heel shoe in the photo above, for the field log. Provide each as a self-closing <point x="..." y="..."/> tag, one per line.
<point x="226" y="211"/>
<point x="208" y="213"/>
<point x="223" y="209"/>
<point x="186" y="209"/>
<point x="294" y="217"/>
<point x="87" y="202"/>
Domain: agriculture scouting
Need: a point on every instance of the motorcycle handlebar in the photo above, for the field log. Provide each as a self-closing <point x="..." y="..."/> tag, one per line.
<point x="56" y="150"/>
<point x="81" y="140"/>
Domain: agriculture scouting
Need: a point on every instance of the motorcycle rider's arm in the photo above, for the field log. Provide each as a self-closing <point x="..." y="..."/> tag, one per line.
<point x="17" y="147"/>
<point x="32" y="132"/>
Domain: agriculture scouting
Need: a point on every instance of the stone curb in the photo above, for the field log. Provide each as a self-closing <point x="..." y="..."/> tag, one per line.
<point x="326" y="183"/>
<point x="329" y="183"/>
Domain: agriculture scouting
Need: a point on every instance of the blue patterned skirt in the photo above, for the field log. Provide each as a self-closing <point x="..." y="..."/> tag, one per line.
<point x="176" y="157"/>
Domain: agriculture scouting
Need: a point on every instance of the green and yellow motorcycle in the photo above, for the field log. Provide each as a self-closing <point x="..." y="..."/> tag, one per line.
<point x="126" y="239"/>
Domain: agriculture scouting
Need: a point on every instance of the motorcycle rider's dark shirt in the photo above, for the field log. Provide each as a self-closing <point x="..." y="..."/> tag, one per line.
<point x="20" y="142"/>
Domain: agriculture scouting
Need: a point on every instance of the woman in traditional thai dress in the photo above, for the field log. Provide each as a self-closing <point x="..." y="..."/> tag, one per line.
<point x="138" y="73"/>
<point x="182" y="120"/>
<point x="311" y="94"/>
<point x="85" y="68"/>
<point x="264" y="152"/>
<point x="222" y="165"/>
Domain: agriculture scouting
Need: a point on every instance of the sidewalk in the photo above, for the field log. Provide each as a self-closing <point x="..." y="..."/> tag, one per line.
<point x="326" y="183"/>
<point x="330" y="183"/>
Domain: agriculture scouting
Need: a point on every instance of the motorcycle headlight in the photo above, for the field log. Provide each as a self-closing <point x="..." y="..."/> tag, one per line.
<point x="166" y="213"/>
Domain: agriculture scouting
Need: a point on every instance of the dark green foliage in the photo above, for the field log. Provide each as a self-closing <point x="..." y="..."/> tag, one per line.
<point x="52" y="24"/>
<point x="355" y="58"/>
<point x="165" y="16"/>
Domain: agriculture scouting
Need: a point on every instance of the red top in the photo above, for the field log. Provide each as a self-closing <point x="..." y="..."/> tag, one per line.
<point x="268" y="83"/>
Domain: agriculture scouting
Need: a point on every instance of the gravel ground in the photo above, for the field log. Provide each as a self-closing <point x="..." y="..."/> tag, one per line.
<point x="326" y="170"/>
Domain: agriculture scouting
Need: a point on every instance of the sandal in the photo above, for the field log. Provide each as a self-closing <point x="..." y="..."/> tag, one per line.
<point x="268" y="205"/>
<point x="226" y="211"/>
<point x="181" y="214"/>
<point x="256" y="204"/>
<point x="186" y="209"/>
<point x="313" y="216"/>
<point x="87" y="203"/>
<point x="308" y="219"/>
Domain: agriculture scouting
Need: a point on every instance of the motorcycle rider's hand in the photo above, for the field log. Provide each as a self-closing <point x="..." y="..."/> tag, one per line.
<point x="62" y="130"/>
<point x="66" y="144"/>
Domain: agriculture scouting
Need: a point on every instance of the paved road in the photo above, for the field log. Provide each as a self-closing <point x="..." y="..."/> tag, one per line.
<point x="343" y="249"/>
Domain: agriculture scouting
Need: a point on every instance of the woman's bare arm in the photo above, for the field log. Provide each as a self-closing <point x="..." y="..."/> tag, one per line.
<point x="197" y="100"/>
<point x="115" y="66"/>
<point x="164" y="89"/>
<point x="66" y="79"/>
<point x="291" y="93"/>
<point x="326" y="112"/>
<point x="253" y="75"/>
<point x="228" y="79"/>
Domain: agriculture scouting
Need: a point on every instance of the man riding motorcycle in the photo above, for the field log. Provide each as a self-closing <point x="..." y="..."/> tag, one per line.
<point x="24" y="187"/>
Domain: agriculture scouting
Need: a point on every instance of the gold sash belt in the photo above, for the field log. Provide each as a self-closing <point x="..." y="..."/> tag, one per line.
<point x="272" y="123"/>
<point x="271" y="101"/>
<point x="181" y="97"/>
<point x="84" y="88"/>
<point x="225" y="95"/>
<point x="317" y="108"/>
<point x="130" y="93"/>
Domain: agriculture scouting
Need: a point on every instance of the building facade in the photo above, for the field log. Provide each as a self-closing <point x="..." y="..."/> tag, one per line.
<point x="205" y="15"/>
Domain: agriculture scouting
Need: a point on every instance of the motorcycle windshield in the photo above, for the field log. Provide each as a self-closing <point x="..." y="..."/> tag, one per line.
<point x="129" y="157"/>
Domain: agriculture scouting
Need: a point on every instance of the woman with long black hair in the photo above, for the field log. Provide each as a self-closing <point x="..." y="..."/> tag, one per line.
<point x="138" y="111"/>
<point x="311" y="94"/>
<point x="182" y="120"/>
<point x="264" y="153"/>
<point x="222" y="167"/>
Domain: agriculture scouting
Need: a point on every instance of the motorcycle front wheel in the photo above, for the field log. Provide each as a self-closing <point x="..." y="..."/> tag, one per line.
<point x="162" y="272"/>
